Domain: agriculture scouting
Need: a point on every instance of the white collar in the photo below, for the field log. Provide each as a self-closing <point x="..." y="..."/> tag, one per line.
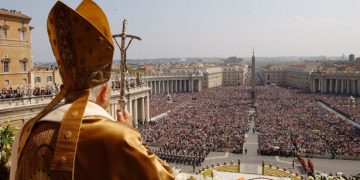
<point x="91" y="109"/>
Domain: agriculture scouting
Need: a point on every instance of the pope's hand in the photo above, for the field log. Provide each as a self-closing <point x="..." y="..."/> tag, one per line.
<point x="124" y="117"/>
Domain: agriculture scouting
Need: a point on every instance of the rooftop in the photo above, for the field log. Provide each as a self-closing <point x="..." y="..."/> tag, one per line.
<point x="13" y="13"/>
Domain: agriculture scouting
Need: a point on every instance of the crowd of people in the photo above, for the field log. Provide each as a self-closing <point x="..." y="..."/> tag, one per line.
<point x="291" y="121"/>
<point x="180" y="158"/>
<point x="160" y="103"/>
<point x="345" y="104"/>
<point x="210" y="120"/>
<point x="27" y="91"/>
<point x="10" y="93"/>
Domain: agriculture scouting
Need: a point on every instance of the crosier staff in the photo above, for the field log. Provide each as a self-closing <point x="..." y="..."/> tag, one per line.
<point x="123" y="67"/>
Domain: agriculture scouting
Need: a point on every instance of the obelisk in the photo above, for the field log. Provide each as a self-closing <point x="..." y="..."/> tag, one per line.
<point x="253" y="80"/>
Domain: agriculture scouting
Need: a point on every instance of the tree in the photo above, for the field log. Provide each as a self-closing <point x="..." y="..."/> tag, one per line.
<point x="6" y="139"/>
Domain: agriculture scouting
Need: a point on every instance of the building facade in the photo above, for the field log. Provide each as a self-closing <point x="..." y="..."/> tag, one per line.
<point x="312" y="77"/>
<point x="15" y="49"/>
<point x="43" y="77"/>
<point x="338" y="82"/>
<point x="234" y="75"/>
<point x="357" y="64"/>
<point x="213" y="77"/>
<point x="274" y="75"/>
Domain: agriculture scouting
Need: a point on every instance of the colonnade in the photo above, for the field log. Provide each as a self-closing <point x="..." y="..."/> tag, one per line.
<point x="334" y="85"/>
<point x="137" y="107"/>
<point x="174" y="86"/>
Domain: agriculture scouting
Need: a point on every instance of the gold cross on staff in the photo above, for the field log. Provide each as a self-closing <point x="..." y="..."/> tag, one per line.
<point x="123" y="67"/>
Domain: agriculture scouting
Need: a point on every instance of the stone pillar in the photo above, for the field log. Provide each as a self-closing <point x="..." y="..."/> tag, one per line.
<point x="130" y="107"/>
<point x="312" y="87"/>
<point x="163" y="82"/>
<point x="341" y="86"/>
<point x="135" y="116"/>
<point x="191" y="85"/>
<point x="176" y="85"/>
<point x="358" y="87"/>
<point x="347" y="86"/>
<point x="142" y="101"/>
<point x="157" y="87"/>
<point x="331" y="86"/>
<point x="153" y="87"/>
<point x="149" y="84"/>
<point x="168" y="86"/>
<point x="200" y="85"/>
<point x="185" y="87"/>
<point x="171" y="86"/>
<point x="336" y="86"/>
<point x="353" y="87"/>
<point x="147" y="109"/>
<point x="160" y="87"/>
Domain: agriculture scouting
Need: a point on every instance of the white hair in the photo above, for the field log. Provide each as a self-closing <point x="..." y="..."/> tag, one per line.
<point x="95" y="91"/>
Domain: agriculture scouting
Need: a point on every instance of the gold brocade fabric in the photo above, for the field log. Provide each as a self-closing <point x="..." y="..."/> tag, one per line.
<point x="106" y="150"/>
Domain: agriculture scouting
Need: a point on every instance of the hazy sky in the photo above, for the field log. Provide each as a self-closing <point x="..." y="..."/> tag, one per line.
<point x="218" y="28"/>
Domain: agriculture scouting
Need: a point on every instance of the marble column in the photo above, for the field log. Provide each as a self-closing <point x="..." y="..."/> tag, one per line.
<point x="353" y="87"/>
<point x="130" y="107"/>
<point x="336" y="86"/>
<point x="347" y="86"/>
<point x="160" y="87"/>
<point x="331" y="86"/>
<point x="191" y="85"/>
<point x="176" y="85"/>
<point x="150" y="87"/>
<point x="171" y="86"/>
<point x="154" y="82"/>
<point x="342" y="86"/>
<point x="157" y="87"/>
<point x="163" y="82"/>
<point x="142" y="101"/>
<point x="135" y="116"/>
<point x="147" y="109"/>
<point x="324" y="86"/>
<point x="200" y="85"/>
<point x="185" y="86"/>
<point x="181" y="85"/>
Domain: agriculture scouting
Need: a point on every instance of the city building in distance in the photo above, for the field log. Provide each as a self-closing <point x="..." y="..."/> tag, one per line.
<point x="330" y="77"/>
